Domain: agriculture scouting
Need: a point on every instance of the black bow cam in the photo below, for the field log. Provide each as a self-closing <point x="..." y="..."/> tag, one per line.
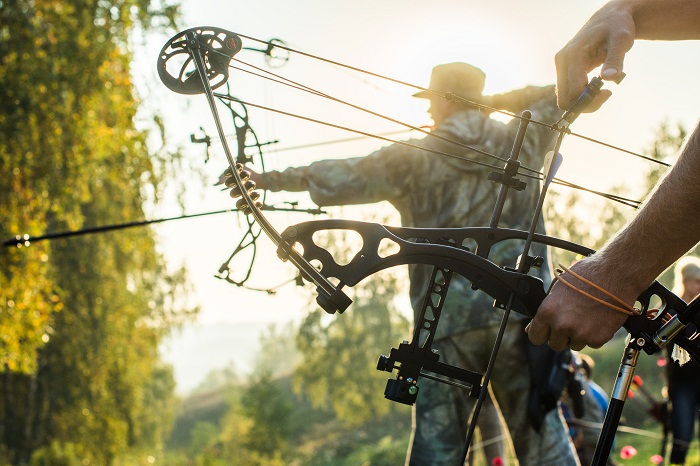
<point x="176" y="67"/>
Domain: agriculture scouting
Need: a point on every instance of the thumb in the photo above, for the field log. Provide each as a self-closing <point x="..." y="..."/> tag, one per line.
<point x="614" y="60"/>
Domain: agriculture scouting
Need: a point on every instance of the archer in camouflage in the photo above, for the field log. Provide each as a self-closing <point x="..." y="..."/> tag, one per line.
<point x="436" y="191"/>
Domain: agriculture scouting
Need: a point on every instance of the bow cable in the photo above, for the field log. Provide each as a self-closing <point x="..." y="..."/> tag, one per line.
<point x="452" y="96"/>
<point x="538" y="176"/>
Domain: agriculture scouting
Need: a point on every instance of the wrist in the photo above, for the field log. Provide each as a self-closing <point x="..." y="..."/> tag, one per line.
<point x="593" y="291"/>
<point x="619" y="277"/>
<point x="293" y="179"/>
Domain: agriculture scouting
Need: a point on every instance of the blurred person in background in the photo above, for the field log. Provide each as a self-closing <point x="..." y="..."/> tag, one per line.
<point x="684" y="379"/>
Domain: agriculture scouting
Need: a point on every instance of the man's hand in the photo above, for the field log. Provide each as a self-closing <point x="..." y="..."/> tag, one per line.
<point x="259" y="178"/>
<point x="604" y="40"/>
<point x="568" y="318"/>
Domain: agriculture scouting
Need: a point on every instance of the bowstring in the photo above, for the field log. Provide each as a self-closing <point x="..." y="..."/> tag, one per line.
<point x="371" y="112"/>
<point x="461" y="99"/>
<point x="537" y="174"/>
<point x="252" y="235"/>
<point x="284" y="81"/>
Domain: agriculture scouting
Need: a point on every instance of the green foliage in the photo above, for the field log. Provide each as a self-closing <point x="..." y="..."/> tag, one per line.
<point x="308" y="437"/>
<point x="279" y="354"/>
<point x="218" y="378"/>
<point x="265" y="423"/>
<point x="56" y="454"/>
<point x="269" y="409"/>
<point x="80" y="319"/>
<point x="201" y="407"/>
<point x="665" y="148"/>
<point x="254" y="430"/>
<point x="388" y="451"/>
<point x="202" y="435"/>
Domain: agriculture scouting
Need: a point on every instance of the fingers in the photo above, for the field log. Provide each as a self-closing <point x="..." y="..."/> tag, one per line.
<point x="559" y="342"/>
<point x="603" y="40"/>
<point x="572" y="77"/>
<point x="598" y="101"/>
<point x="618" y="44"/>
<point x="578" y="346"/>
<point x="537" y="332"/>
<point x="249" y="174"/>
<point x="223" y="176"/>
<point x="540" y="333"/>
<point x="568" y="319"/>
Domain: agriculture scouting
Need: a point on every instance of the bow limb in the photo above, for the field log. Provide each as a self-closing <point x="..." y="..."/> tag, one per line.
<point x="211" y="49"/>
<point x="333" y="296"/>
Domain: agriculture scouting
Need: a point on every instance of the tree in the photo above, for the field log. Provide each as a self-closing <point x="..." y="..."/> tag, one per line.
<point x="81" y="318"/>
<point x="339" y="353"/>
<point x="278" y="354"/>
<point x="269" y="409"/>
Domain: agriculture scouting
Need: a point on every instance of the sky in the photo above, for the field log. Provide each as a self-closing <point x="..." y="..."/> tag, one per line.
<point x="514" y="42"/>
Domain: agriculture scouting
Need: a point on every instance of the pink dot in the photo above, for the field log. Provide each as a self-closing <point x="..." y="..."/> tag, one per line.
<point x="657" y="459"/>
<point x="661" y="362"/>
<point x="497" y="461"/>
<point x="627" y="452"/>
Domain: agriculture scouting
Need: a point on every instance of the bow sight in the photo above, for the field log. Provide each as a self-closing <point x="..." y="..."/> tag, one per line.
<point x="196" y="61"/>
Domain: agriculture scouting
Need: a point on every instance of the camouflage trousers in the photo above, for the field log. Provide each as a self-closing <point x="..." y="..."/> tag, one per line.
<point x="441" y="413"/>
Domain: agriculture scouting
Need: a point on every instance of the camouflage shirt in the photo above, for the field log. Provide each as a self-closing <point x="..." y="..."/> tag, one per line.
<point x="430" y="190"/>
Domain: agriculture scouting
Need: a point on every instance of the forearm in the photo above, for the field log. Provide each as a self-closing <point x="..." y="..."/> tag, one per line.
<point x="663" y="19"/>
<point x="357" y="180"/>
<point x="667" y="226"/>
<point x="293" y="179"/>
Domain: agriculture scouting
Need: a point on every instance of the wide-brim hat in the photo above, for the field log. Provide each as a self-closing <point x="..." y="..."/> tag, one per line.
<point x="461" y="79"/>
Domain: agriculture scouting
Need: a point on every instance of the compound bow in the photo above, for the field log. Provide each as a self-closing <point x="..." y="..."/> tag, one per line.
<point x="247" y="139"/>
<point x="196" y="61"/>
